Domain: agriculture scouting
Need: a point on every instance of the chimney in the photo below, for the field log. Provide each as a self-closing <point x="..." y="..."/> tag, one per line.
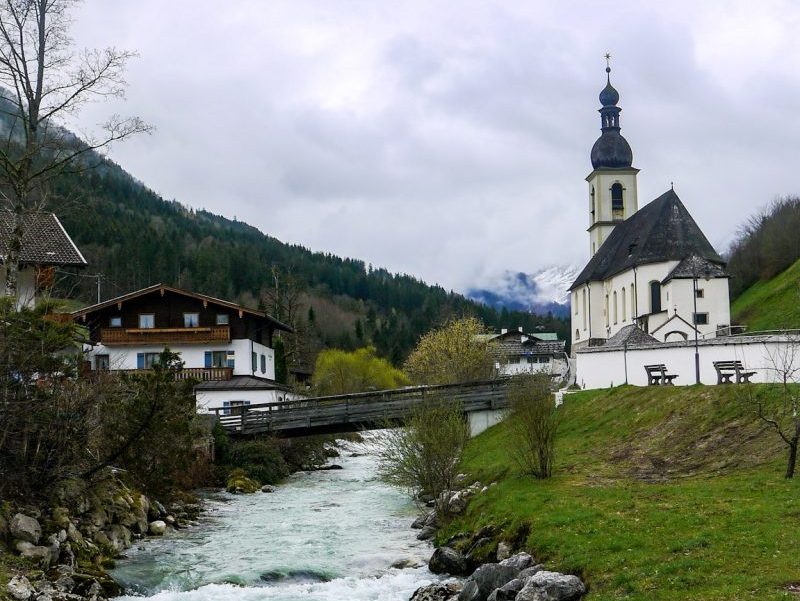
<point x="519" y="328"/>
<point x="504" y="330"/>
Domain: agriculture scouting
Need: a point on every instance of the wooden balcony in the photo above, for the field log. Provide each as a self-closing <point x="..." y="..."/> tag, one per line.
<point x="201" y="374"/>
<point x="165" y="336"/>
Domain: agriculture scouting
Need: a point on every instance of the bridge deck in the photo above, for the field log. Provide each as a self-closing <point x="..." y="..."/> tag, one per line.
<point x="351" y="412"/>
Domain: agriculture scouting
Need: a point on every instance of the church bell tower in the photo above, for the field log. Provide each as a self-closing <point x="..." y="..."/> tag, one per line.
<point x="612" y="182"/>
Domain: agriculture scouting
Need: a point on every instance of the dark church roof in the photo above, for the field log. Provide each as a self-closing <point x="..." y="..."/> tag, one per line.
<point x="696" y="266"/>
<point x="662" y="230"/>
<point x="44" y="240"/>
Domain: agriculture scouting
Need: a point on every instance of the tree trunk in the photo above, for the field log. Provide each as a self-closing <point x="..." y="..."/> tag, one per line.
<point x="792" y="456"/>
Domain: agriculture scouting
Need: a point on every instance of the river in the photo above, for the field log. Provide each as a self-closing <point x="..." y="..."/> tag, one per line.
<point x="325" y="535"/>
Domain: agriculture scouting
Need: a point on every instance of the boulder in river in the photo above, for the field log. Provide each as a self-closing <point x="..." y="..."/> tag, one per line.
<point x="492" y="576"/>
<point x="447" y="591"/>
<point x="448" y="561"/>
<point x="157" y="528"/>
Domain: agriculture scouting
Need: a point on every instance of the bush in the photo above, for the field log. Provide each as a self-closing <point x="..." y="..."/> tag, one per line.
<point x="341" y="372"/>
<point x="534" y="421"/>
<point x="261" y="459"/>
<point x="423" y="456"/>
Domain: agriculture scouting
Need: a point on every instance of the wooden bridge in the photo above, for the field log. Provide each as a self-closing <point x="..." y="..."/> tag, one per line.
<point x="359" y="411"/>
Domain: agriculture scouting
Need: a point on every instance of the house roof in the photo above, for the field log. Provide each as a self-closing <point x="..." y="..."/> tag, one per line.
<point x="44" y="240"/>
<point x="696" y="267"/>
<point x="164" y="288"/>
<point x="630" y="335"/>
<point x="241" y="383"/>
<point x="662" y="230"/>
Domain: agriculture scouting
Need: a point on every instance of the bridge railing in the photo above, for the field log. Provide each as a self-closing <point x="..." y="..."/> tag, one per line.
<point x="362" y="407"/>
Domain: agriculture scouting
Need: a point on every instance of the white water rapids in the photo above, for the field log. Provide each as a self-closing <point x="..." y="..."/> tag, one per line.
<point x="325" y="536"/>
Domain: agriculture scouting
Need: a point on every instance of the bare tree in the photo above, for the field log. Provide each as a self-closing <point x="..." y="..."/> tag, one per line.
<point x="44" y="80"/>
<point x="781" y="411"/>
<point x="534" y="422"/>
<point x="283" y="300"/>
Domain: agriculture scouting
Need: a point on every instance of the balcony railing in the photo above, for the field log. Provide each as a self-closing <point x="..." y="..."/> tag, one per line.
<point x="111" y="336"/>
<point x="201" y="374"/>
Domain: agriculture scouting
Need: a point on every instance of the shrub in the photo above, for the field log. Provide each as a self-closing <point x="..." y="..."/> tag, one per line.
<point x="340" y="372"/>
<point x="534" y="421"/>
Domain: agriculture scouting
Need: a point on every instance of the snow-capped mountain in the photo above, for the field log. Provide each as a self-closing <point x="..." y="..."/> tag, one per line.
<point x="541" y="292"/>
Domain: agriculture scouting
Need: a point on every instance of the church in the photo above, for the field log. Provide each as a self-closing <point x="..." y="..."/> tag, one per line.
<point x="652" y="273"/>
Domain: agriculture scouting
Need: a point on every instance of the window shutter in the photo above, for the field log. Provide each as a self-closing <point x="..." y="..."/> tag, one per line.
<point x="208" y="359"/>
<point x="139" y="360"/>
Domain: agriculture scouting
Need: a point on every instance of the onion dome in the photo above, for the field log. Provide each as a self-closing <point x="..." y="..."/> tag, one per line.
<point x="610" y="150"/>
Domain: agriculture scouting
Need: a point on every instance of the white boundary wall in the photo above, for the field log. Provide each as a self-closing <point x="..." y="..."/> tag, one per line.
<point x="602" y="368"/>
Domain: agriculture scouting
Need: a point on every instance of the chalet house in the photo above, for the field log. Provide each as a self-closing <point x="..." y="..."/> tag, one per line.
<point x="226" y="347"/>
<point x="45" y="247"/>
<point x="516" y="352"/>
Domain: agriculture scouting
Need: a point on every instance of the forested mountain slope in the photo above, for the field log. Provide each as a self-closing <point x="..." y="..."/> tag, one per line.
<point x="135" y="238"/>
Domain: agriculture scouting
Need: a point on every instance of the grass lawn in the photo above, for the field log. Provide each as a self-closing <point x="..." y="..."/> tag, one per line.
<point x="659" y="493"/>
<point x="771" y="305"/>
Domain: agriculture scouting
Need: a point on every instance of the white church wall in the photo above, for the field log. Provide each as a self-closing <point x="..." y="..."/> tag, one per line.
<point x="765" y="355"/>
<point x="714" y="302"/>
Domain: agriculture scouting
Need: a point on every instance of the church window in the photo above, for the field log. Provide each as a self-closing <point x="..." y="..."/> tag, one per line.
<point x="633" y="301"/>
<point x="617" y="203"/>
<point x="624" y="308"/>
<point x="584" y="308"/>
<point x="655" y="297"/>
<point x="606" y="312"/>
<point x="699" y="293"/>
<point x="577" y="334"/>
<point x="593" y="215"/>
<point x="575" y="301"/>
<point x="701" y="319"/>
<point x="615" y="307"/>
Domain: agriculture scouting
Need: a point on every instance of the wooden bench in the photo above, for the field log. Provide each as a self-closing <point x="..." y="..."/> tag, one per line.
<point x="657" y="374"/>
<point x="727" y="369"/>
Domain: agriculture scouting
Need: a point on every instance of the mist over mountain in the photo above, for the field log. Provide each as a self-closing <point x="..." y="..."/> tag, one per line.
<point x="544" y="291"/>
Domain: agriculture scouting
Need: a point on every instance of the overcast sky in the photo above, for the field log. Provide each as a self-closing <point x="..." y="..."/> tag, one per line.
<point x="450" y="140"/>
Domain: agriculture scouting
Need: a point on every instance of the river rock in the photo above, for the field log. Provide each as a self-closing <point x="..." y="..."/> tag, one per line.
<point x="427" y="533"/>
<point x="552" y="586"/>
<point x="267" y="488"/>
<point x="120" y="537"/>
<point x="448" y="561"/>
<point x="38" y="554"/>
<point x="491" y="576"/>
<point x="437" y="592"/>
<point x="405" y="564"/>
<point x="20" y="588"/>
<point x="507" y="592"/>
<point x="25" y="528"/>
<point x="419" y="522"/>
<point x="157" y="528"/>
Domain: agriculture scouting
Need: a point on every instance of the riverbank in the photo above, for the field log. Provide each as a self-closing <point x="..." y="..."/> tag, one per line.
<point x="658" y="494"/>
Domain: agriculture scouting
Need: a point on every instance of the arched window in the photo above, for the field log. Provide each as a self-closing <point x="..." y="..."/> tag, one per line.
<point x="593" y="219"/>
<point x="615" y="307"/>
<point x="617" y="202"/>
<point x="655" y="296"/>
<point x="577" y="334"/>
<point x="608" y="316"/>
<point x="624" y="302"/>
<point x="584" y="308"/>
<point x="633" y="301"/>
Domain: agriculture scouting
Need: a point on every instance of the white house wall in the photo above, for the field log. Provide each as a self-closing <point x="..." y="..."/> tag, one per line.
<point x="605" y="368"/>
<point x="208" y="400"/>
<point x="193" y="356"/>
<point x="26" y="286"/>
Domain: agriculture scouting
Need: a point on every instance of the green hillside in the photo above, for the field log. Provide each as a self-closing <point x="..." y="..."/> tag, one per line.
<point x="134" y="238"/>
<point x="658" y="494"/>
<point x="770" y="305"/>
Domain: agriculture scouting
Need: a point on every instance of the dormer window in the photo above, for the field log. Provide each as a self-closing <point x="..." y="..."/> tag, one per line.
<point x="617" y="202"/>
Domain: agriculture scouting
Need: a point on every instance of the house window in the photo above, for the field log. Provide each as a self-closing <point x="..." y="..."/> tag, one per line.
<point x="102" y="362"/>
<point x="222" y="319"/>
<point x="234" y="407"/>
<point x="147" y="360"/>
<point x="263" y="364"/>
<point x="513" y="360"/>
<point x="147" y="321"/>
<point x="254" y="361"/>
<point x="191" y="320"/>
<point x="115" y="322"/>
<point x="219" y="358"/>
<point x="617" y="203"/>
<point x="655" y="297"/>
<point x="701" y="319"/>
<point x="700" y="293"/>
